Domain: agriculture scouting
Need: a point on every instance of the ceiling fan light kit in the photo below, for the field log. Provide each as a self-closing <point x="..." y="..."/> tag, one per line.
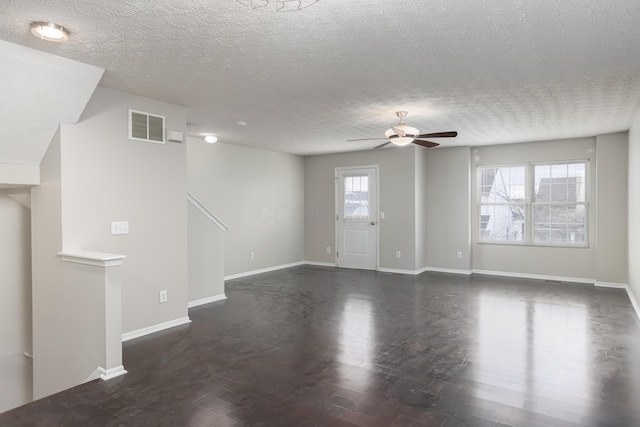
<point x="402" y="134"/>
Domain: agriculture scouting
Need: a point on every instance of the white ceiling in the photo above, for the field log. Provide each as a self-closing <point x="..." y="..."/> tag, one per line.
<point x="496" y="71"/>
<point x="38" y="91"/>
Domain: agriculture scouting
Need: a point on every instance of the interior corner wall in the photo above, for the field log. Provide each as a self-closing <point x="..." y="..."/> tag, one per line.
<point x="107" y="177"/>
<point x="259" y="195"/>
<point x="634" y="207"/>
<point x="612" y="208"/>
<point x="447" y="216"/>
<point x="567" y="263"/>
<point x="396" y="188"/>
<point x="422" y="205"/>
<point x="15" y="304"/>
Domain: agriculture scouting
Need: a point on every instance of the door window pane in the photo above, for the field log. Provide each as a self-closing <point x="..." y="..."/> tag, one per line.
<point x="356" y="198"/>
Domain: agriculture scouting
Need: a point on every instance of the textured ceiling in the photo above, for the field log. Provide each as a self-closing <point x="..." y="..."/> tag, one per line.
<point x="38" y="91"/>
<point x="496" y="71"/>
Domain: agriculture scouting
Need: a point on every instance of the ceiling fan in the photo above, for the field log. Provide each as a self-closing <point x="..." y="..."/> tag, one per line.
<point x="403" y="134"/>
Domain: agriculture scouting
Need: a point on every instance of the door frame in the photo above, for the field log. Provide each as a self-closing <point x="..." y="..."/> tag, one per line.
<point x="336" y="174"/>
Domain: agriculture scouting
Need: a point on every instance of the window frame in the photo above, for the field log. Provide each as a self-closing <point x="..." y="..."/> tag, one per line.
<point x="529" y="205"/>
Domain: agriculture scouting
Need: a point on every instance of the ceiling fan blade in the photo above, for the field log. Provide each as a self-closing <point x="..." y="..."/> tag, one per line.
<point x="425" y="144"/>
<point x="365" y="139"/>
<point x="382" y="145"/>
<point x="438" y="135"/>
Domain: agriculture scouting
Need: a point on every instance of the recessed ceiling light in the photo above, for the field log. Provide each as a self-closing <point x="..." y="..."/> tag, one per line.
<point x="211" y="139"/>
<point x="49" y="31"/>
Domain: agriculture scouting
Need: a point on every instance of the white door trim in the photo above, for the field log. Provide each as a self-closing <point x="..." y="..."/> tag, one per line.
<point x="337" y="210"/>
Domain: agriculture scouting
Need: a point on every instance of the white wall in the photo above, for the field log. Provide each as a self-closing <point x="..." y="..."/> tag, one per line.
<point x="422" y="197"/>
<point x="447" y="216"/>
<point x="397" y="183"/>
<point x="634" y="208"/>
<point x="612" y="208"/>
<point x="15" y="304"/>
<point x="607" y="218"/>
<point x="50" y="297"/>
<point x="107" y="177"/>
<point x="206" y="257"/>
<point x="258" y="194"/>
<point x="15" y="265"/>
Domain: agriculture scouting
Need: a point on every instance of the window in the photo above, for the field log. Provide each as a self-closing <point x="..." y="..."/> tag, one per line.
<point x="356" y="198"/>
<point x="536" y="204"/>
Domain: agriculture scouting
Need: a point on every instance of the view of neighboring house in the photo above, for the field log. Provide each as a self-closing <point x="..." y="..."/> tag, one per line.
<point x="557" y="203"/>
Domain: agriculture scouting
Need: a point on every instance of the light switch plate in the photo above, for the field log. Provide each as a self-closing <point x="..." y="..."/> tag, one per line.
<point x="119" y="227"/>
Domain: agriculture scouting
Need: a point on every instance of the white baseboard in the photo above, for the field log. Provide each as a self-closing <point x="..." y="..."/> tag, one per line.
<point x="155" y="328"/>
<point x="399" y="271"/>
<point x="107" y="374"/>
<point x="626" y="287"/>
<point x="423" y="269"/>
<point x="320" y="264"/>
<point x="534" y="276"/>
<point x="634" y="301"/>
<point x="611" y="285"/>
<point x="207" y="300"/>
<point x="448" y="270"/>
<point x="263" y="270"/>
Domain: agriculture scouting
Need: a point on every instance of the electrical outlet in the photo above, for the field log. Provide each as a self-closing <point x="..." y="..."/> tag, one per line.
<point x="119" y="227"/>
<point x="398" y="254"/>
<point x="328" y="249"/>
<point x="459" y="255"/>
<point x="163" y="296"/>
<point x="381" y="215"/>
<point x="252" y="256"/>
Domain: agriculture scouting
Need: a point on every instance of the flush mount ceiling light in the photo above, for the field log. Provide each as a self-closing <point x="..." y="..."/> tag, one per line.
<point x="49" y="31"/>
<point x="211" y="139"/>
<point x="277" y="5"/>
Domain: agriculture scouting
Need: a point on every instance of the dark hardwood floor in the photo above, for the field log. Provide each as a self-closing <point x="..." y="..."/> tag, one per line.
<point x="316" y="346"/>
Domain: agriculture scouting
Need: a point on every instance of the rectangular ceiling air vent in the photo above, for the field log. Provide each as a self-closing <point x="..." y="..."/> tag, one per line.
<point x="146" y="127"/>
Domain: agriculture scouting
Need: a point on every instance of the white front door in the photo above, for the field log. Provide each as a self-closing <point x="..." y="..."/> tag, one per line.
<point x="357" y="217"/>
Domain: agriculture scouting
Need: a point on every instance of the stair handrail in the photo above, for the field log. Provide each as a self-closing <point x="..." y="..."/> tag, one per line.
<point x="202" y="208"/>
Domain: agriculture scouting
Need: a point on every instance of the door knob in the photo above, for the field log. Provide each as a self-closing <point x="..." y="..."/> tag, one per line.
<point x="373" y="223"/>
